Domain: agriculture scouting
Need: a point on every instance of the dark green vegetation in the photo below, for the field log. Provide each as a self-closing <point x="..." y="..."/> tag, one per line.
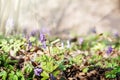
<point x="93" y="57"/>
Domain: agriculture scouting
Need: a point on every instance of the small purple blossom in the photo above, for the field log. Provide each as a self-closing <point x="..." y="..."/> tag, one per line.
<point x="116" y="34"/>
<point x="44" y="44"/>
<point x="43" y="40"/>
<point x="29" y="43"/>
<point x="37" y="71"/>
<point x="80" y="40"/>
<point x="42" y="37"/>
<point x="93" y="30"/>
<point x="52" y="77"/>
<point x="33" y="33"/>
<point x="109" y="50"/>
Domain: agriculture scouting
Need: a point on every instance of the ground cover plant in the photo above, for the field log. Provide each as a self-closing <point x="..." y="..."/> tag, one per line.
<point x="41" y="57"/>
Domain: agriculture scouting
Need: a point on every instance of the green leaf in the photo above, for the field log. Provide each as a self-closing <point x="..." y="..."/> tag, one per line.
<point x="110" y="75"/>
<point x="77" y="60"/>
<point x="19" y="74"/>
<point x="15" y="77"/>
<point x="44" y="78"/>
<point x="45" y="75"/>
<point x="62" y="67"/>
<point x="55" y="73"/>
<point x="3" y="74"/>
<point x="32" y="39"/>
<point x="11" y="67"/>
<point x="28" y="68"/>
<point x="85" y="70"/>
<point x="11" y="41"/>
<point x="11" y="74"/>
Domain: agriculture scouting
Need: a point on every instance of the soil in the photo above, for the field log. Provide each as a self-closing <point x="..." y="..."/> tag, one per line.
<point x="94" y="73"/>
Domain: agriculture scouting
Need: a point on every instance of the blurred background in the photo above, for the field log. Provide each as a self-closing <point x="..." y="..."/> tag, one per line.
<point x="59" y="17"/>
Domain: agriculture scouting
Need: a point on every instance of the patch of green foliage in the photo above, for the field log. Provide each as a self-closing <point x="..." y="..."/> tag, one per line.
<point x="20" y="56"/>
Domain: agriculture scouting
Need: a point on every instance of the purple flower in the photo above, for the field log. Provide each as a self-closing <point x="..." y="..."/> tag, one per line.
<point x="109" y="50"/>
<point x="92" y="30"/>
<point x="52" y="77"/>
<point x="80" y="40"/>
<point x="33" y="33"/>
<point x="116" y="34"/>
<point x="29" y="43"/>
<point x="37" y="71"/>
<point x="43" y="40"/>
<point x="44" y="44"/>
<point x="42" y="37"/>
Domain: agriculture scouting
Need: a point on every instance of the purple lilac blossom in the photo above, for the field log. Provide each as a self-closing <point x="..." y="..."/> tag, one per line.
<point x="109" y="50"/>
<point x="37" y="71"/>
